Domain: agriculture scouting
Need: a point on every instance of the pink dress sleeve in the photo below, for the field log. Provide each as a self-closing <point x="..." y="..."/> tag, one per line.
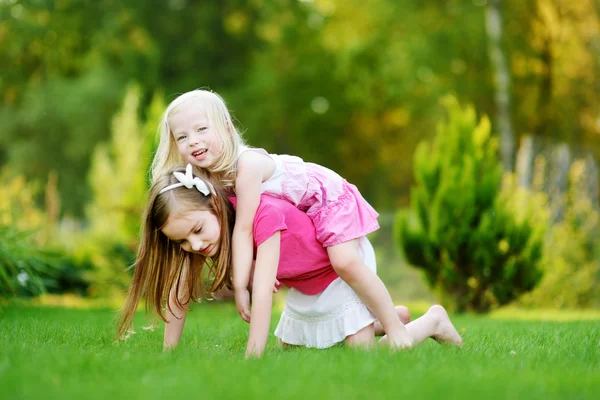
<point x="267" y="221"/>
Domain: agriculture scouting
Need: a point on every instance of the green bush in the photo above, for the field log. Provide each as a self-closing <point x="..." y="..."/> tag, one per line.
<point x="25" y="267"/>
<point x="29" y="270"/>
<point x="21" y="264"/>
<point x="474" y="242"/>
<point x="30" y="263"/>
<point x="111" y="259"/>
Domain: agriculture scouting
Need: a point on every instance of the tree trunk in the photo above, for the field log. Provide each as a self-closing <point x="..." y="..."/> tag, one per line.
<point x="524" y="166"/>
<point x="493" y="22"/>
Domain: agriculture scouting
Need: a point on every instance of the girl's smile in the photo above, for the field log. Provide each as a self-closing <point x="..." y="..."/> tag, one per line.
<point x="195" y="231"/>
<point x="197" y="141"/>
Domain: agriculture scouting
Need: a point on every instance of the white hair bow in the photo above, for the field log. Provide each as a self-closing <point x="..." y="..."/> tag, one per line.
<point x="189" y="181"/>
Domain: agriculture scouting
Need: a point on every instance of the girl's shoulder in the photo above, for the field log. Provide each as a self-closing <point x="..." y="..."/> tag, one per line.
<point x="247" y="150"/>
<point x="251" y="155"/>
<point x="255" y="162"/>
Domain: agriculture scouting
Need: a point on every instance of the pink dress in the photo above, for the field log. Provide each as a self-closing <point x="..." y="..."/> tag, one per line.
<point x="336" y="207"/>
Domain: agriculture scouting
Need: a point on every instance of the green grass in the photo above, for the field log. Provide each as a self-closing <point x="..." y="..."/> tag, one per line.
<point x="68" y="353"/>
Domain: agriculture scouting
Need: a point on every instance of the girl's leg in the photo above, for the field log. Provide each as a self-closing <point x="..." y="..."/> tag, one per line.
<point x="370" y="289"/>
<point x="434" y="324"/>
<point x="363" y="338"/>
<point x="403" y="314"/>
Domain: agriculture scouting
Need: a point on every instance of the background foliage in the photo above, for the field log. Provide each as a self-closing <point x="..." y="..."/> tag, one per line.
<point x="349" y="84"/>
<point x="478" y="247"/>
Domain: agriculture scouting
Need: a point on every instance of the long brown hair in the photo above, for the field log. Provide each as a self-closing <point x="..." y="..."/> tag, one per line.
<point x="160" y="263"/>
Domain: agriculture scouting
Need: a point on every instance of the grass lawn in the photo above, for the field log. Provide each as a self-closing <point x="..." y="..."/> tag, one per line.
<point x="68" y="353"/>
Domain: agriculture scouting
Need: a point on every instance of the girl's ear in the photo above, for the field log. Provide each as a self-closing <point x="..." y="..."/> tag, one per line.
<point x="229" y="128"/>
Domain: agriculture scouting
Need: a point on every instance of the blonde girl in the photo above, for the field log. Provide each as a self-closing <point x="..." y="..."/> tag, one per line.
<point x="197" y="128"/>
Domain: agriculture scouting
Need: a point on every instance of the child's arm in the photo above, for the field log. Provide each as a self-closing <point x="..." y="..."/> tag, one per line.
<point x="176" y="317"/>
<point x="252" y="169"/>
<point x="267" y="261"/>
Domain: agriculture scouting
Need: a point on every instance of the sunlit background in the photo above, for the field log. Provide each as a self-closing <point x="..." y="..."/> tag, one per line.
<point x="352" y="85"/>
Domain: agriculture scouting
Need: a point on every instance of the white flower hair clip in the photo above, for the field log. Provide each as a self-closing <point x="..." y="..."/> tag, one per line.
<point x="189" y="181"/>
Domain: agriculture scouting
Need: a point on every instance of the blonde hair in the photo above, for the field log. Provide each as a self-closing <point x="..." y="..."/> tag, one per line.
<point x="167" y="155"/>
<point x="162" y="265"/>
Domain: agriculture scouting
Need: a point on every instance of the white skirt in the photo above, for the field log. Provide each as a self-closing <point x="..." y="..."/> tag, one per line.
<point x="322" y="320"/>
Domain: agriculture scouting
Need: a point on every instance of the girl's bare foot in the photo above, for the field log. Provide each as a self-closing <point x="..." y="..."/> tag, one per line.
<point x="445" y="332"/>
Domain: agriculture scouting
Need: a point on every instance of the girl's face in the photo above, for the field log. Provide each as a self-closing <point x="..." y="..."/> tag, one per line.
<point x="196" y="231"/>
<point x="197" y="141"/>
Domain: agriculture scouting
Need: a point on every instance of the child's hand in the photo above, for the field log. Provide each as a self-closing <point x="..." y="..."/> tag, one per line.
<point x="400" y="342"/>
<point x="242" y="302"/>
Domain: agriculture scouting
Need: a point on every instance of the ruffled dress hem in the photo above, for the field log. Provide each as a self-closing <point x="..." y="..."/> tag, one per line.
<point x="325" y="331"/>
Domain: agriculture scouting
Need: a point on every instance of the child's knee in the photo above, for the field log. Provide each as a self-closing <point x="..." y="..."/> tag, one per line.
<point x="344" y="258"/>
<point x="403" y="314"/>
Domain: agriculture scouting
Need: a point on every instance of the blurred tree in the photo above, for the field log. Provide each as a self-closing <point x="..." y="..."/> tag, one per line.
<point x="198" y="43"/>
<point x="120" y="182"/>
<point x="349" y="84"/>
<point x="118" y="175"/>
<point x="28" y="265"/>
<point x="55" y="127"/>
<point x="478" y="247"/>
<point x="354" y="85"/>
<point x="494" y="28"/>
<point x="66" y="64"/>
<point x="62" y="84"/>
<point x="119" y="179"/>
<point x="571" y="261"/>
<point x="17" y="203"/>
<point x="554" y="47"/>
